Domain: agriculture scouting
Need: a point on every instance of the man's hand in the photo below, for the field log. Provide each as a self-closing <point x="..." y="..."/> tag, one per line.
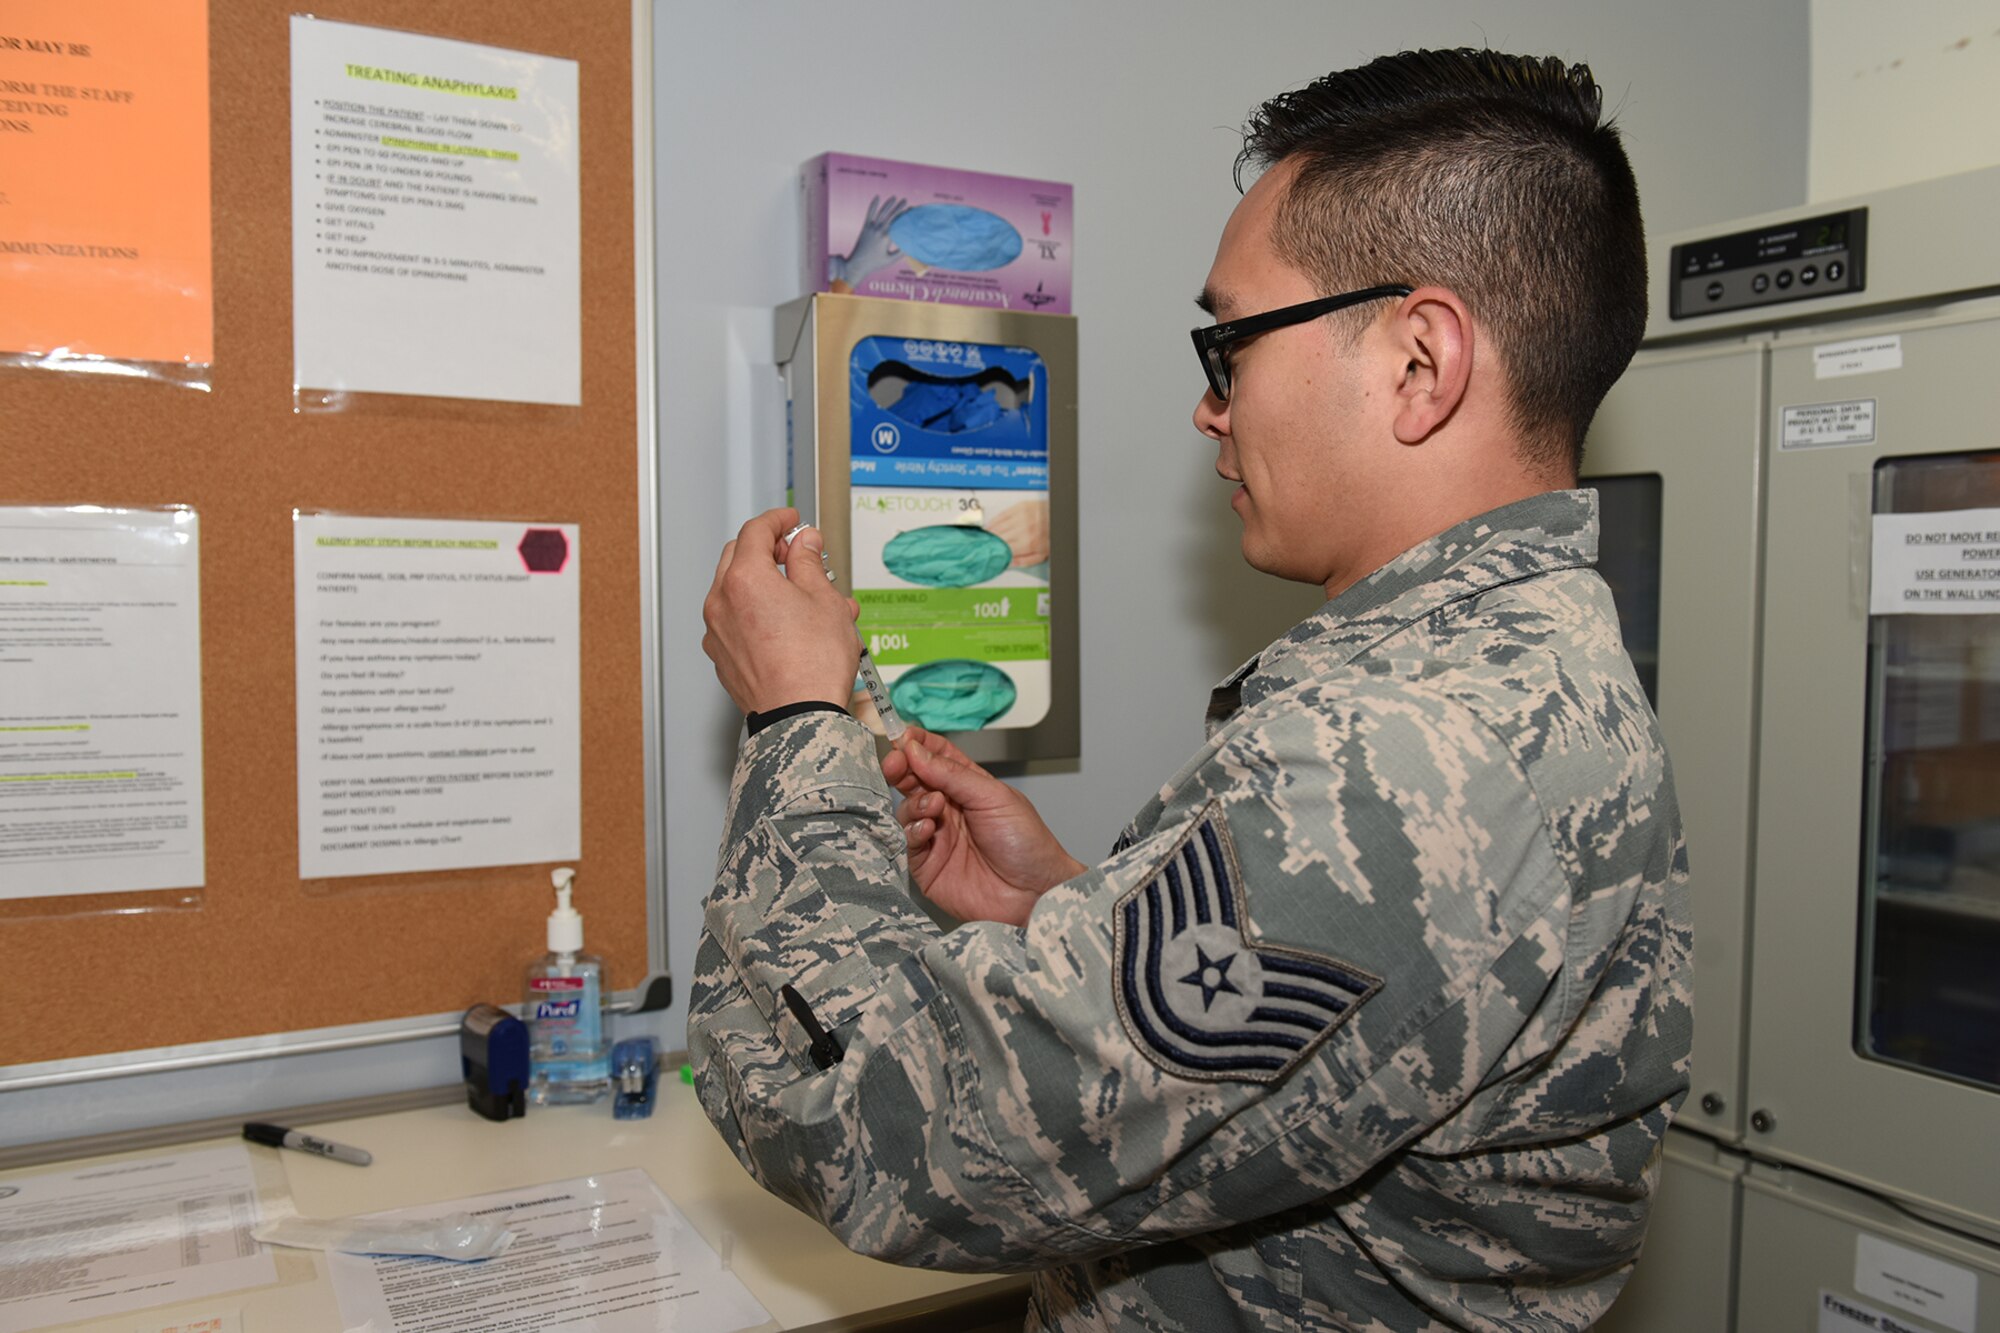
<point x="778" y="636"/>
<point x="977" y="847"/>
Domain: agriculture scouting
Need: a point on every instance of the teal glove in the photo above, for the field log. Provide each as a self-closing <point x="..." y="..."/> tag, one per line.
<point x="953" y="695"/>
<point x="946" y="556"/>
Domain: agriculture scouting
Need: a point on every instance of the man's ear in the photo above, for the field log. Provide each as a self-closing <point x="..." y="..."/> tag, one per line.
<point x="1431" y="330"/>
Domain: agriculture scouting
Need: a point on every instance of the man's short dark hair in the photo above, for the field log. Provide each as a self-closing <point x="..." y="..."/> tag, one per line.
<point x="1488" y="174"/>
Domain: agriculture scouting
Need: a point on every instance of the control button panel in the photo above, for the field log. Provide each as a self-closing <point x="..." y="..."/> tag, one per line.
<point x="1792" y="261"/>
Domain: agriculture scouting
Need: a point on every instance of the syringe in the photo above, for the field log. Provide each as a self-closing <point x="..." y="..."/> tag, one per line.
<point x="892" y="723"/>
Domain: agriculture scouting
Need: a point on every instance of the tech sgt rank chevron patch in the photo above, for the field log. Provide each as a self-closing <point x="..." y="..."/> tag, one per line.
<point x="1198" y="997"/>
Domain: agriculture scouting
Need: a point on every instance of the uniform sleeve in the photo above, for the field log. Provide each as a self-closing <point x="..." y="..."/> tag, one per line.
<point x="1324" y="947"/>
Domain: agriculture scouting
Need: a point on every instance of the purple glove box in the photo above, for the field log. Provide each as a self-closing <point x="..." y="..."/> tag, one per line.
<point x="917" y="233"/>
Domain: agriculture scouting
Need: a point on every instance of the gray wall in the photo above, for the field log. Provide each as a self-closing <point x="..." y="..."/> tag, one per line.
<point x="1136" y="103"/>
<point x="1901" y="93"/>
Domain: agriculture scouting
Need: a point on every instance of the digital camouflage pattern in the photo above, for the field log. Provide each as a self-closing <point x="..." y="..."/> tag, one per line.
<point x="1445" y="787"/>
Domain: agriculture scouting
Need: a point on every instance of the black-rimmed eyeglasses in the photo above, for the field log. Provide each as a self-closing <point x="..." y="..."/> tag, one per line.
<point x="1212" y="343"/>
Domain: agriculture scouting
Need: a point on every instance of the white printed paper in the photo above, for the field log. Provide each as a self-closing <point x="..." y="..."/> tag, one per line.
<point x="100" y="701"/>
<point x="225" y="1321"/>
<point x="1916" y="1283"/>
<point x="1936" y="564"/>
<point x="436" y="217"/>
<point x="439" y="705"/>
<point x="1861" y="356"/>
<point x="1816" y="425"/>
<point x="128" y="1235"/>
<point x="607" y="1253"/>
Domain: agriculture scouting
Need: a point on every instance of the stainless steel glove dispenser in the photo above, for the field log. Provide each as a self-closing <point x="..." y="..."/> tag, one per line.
<point x="832" y="350"/>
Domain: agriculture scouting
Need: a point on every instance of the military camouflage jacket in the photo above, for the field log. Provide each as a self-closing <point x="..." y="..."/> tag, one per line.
<point x="1374" y="1019"/>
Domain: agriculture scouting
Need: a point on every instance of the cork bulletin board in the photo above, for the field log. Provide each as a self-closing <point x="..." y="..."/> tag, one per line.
<point x="257" y="951"/>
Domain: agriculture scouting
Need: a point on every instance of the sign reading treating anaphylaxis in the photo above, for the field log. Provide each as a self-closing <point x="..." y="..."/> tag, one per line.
<point x="1944" y="563"/>
<point x="435" y="217"/>
<point x="439" y="705"/>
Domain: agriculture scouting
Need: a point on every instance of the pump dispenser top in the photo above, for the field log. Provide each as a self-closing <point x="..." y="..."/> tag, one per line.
<point x="565" y="923"/>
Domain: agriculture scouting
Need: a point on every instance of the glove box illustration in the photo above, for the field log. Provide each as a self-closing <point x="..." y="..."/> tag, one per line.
<point x="935" y="449"/>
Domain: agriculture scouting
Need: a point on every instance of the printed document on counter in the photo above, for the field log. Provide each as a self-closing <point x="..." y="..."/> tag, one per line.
<point x="100" y="701"/>
<point x="439" y="702"/>
<point x="436" y="217"/>
<point x="128" y="1235"/>
<point x="607" y="1253"/>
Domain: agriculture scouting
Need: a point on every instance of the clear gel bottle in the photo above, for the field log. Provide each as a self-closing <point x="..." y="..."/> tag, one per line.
<point x="568" y="1055"/>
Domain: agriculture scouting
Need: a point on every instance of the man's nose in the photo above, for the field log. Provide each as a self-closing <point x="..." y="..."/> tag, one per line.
<point x="1211" y="415"/>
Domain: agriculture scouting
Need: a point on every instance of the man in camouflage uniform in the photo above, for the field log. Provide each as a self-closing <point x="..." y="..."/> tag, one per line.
<point x="1377" y="1014"/>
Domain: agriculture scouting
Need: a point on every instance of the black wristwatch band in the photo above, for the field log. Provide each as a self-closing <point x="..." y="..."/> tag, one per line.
<point x="758" y="721"/>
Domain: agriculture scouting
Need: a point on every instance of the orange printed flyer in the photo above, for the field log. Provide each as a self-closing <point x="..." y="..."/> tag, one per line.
<point x="104" y="191"/>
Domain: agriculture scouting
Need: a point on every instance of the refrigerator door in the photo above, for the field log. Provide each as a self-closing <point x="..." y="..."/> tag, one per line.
<point x="1686" y="1278"/>
<point x="1676" y="455"/>
<point x="1875" y="1004"/>
<point x="1821" y="1257"/>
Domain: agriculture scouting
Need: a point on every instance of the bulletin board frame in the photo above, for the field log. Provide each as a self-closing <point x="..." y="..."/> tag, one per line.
<point x="258" y="968"/>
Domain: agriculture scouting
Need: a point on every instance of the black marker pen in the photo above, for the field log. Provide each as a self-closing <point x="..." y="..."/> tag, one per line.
<point x="277" y="1136"/>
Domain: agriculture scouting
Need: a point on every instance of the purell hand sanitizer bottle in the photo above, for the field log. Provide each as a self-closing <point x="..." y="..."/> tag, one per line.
<point x="569" y="1058"/>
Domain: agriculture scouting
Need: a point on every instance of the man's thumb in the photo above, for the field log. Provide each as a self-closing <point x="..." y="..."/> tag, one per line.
<point x="805" y="557"/>
<point x="960" y="783"/>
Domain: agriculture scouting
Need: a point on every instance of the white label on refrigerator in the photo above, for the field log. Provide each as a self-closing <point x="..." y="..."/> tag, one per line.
<point x="1844" y="1314"/>
<point x="1861" y="356"/>
<point x="1942" y="564"/>
<point x="1816" y="424"/>
<point x="1916" y="1283"/>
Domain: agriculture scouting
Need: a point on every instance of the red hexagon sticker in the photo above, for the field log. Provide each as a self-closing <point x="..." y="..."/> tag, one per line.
<point x="544" y="550"/>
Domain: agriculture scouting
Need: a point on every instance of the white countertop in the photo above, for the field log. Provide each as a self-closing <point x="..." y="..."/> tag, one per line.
<point x="790" y="1263"/>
